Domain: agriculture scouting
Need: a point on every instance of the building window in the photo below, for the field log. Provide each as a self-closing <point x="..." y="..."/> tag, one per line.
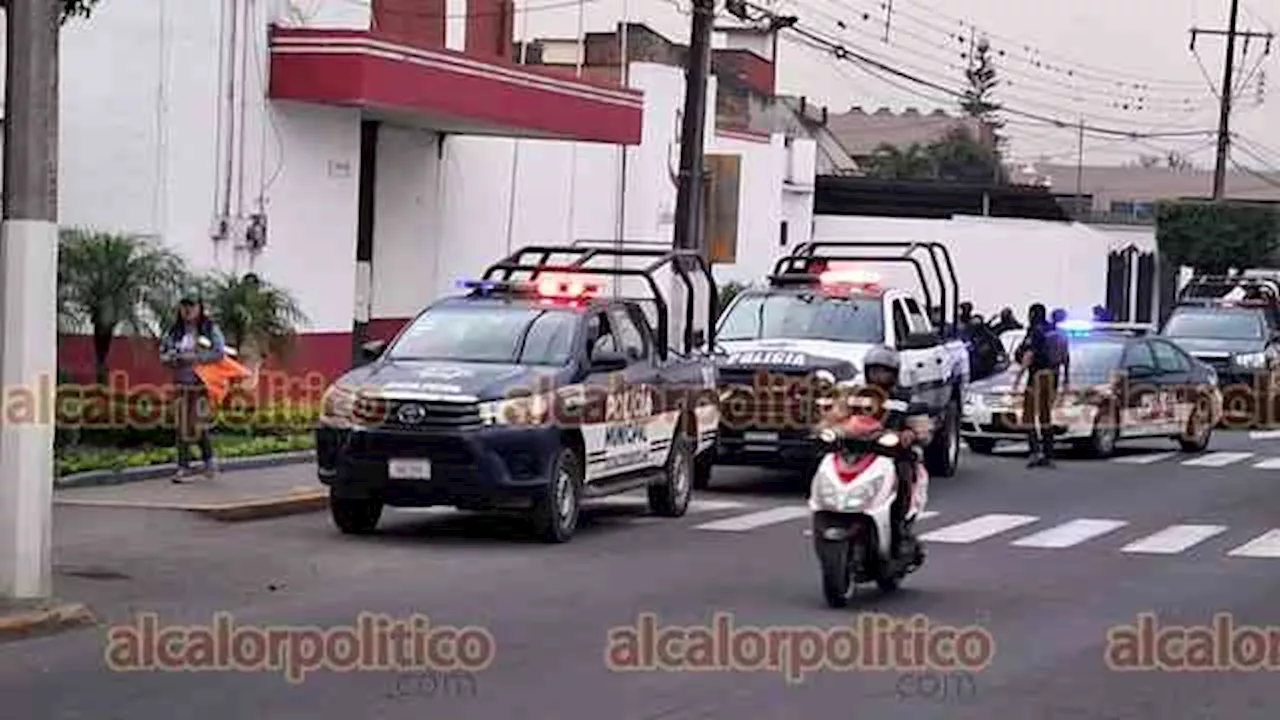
<point x="783" y="229"/>
<point x="1119" y="207"/>
<point x="1144" y="210"/>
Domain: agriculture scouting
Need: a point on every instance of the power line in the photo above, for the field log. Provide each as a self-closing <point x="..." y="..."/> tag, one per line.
<point x="842" y="52"/>
<point x="1105" y="74"/>
<point x="1023" y="81"/>
<point x="1226" y="91"/>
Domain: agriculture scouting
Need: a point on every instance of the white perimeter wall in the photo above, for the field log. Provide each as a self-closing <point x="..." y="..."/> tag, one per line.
<point x="143" y="133"/>
<point x="1000" y="262"/>
<point x="563" y="191"/>
<point x="142" y="109"/>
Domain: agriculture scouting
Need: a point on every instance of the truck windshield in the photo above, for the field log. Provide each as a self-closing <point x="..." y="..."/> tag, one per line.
<point x="798" y="316"/>
<point x="489" y="333"/>
<point x="1218" y="325"/>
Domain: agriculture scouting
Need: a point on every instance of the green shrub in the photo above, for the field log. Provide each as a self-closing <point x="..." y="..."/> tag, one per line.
<point x="95" y="417"/>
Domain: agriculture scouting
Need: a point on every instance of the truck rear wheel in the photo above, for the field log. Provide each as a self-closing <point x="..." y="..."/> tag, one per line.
<point x="942" y="456"/>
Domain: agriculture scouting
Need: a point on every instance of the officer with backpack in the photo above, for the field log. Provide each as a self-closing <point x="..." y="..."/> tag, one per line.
<point x="1044" y="357"/>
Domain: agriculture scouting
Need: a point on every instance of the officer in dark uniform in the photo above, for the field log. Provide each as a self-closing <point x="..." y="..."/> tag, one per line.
<point x="1043" y="358"/>
<point x="910" y="420"/>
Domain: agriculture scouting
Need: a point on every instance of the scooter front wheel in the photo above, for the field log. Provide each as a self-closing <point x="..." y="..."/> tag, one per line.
<point x="837" y="575"/>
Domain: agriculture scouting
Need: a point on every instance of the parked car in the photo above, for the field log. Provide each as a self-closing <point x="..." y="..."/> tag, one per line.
<point x="1125" y="383"/>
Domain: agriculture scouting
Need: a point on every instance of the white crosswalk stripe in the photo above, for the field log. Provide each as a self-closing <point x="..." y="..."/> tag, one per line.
<point x="1268" y="464"/>
<point x="1218" y="459"/>
<point x="1146" y="459"/>
<point x="1067" y="533"/>
<point x="755" y="520"/>
<point x="1266" y="545"/>
<point x="1264" y="435"/>
<point x="1070" y="533"/>
<point x="1174" y="539"/>
<point x="978" y="528"/>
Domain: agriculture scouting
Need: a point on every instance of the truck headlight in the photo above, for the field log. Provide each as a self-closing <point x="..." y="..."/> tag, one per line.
<point x="337" y="405"/>
<point x="1253" y="361"/>
<point x="527" y="410"/>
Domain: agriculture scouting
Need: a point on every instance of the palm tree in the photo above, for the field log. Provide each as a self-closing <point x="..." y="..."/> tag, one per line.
<point x="109" y="282"/>
<point x="258" y="319"/>
<point x="890" y="162"/>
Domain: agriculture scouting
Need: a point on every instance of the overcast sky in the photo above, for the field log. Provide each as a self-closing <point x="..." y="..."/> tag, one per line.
<point x="1121" y="64"/>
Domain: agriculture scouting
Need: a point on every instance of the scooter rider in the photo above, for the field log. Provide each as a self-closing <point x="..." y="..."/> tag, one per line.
<point x="899" y="414"/>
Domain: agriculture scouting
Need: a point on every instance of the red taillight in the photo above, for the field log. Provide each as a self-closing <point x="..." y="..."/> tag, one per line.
<point x="847" y="471"/>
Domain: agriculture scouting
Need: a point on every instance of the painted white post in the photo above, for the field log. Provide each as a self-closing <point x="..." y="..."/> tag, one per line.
<point x="28" y="298"/>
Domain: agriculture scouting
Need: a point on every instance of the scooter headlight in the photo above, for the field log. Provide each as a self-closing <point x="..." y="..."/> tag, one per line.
<point x="889" y="440"/>
<point x="828" y="436"/>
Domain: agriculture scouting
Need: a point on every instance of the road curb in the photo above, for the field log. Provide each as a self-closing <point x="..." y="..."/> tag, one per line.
<point x="46" y="618"/>
<point x="300" y="500"/>
<point x="98" y="478"/>
<point x="302" y="503"/>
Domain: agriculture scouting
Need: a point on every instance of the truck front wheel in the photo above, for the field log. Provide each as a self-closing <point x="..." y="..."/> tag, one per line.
<point x="942" y="456"/>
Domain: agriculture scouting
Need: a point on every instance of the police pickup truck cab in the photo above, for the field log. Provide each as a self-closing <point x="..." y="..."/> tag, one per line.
<point x="813" y="325"/>
<point x="1232" y="324"/>
<point x="530" y="394"/>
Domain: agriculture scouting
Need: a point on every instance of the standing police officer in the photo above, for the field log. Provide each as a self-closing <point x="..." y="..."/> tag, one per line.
<point x="1043" y="357"/>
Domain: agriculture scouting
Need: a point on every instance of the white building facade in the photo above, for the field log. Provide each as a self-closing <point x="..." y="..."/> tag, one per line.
<point x="366" y="173"/>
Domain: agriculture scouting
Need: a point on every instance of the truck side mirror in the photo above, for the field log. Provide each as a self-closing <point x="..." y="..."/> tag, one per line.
<point x="373" y="349"/>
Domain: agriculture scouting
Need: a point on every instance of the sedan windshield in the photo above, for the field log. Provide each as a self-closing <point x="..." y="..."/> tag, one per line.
<point x="804" y="317"/>
<point x="488" y="333"/>
<point x="1215" y="325"/>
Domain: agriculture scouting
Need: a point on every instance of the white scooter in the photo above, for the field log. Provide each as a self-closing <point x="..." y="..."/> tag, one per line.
<point x="851" y="496"/>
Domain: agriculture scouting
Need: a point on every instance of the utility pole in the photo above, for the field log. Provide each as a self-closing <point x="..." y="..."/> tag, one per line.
<point x="688" y="230"/>
<point x="1080" y="170"/>
<point x="28" y="294"/>
<point x="1224" y="105"/>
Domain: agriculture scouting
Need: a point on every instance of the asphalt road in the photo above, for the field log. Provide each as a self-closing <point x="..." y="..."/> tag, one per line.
<point x="549" y="608"/>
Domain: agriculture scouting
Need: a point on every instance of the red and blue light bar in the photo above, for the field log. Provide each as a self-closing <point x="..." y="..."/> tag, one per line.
<point x="546" y="288"/>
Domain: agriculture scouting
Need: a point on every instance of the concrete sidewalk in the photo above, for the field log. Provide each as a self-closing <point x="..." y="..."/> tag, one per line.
<point x="231" y="496"/>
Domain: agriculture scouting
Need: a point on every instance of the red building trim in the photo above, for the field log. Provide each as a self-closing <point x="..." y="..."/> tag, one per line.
<point x="743" y="134"/>
<point x="447" y="89"/>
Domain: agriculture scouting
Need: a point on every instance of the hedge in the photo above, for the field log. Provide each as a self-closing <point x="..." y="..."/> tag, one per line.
<point x="97" y="417"/>
<point x="1215" y="237"/>
<point x="86" y="459"/>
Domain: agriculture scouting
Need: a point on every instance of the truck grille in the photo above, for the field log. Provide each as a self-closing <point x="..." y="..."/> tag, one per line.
<point x="1220" y="364"/>
<point x="420" y="415"/>
<point x="743" y="406"/>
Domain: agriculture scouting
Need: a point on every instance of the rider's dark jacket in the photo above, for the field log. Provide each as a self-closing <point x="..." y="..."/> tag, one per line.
<point x="899" y="409"/>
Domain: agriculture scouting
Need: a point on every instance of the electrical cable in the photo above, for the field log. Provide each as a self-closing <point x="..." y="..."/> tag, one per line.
<point x="1083" y="69"/>
<point x="878" y="68"/>
<point x="1144" y="102"/>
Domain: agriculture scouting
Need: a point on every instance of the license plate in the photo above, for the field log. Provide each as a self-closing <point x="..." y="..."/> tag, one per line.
<point x="760" y="436"/>
<point x="409" y="469"/>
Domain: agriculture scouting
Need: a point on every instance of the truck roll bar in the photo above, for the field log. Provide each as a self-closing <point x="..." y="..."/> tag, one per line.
<point x="682" y="262"/>
<point x="784" y="272"/>
<point x="939" y="255"/>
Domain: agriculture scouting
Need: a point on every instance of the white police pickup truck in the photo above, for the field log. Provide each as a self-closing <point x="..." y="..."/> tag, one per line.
<point x="812" y="325"/>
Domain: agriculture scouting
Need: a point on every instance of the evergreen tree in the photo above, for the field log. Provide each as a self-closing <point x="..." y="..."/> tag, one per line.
<point x="977" y="100"/>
